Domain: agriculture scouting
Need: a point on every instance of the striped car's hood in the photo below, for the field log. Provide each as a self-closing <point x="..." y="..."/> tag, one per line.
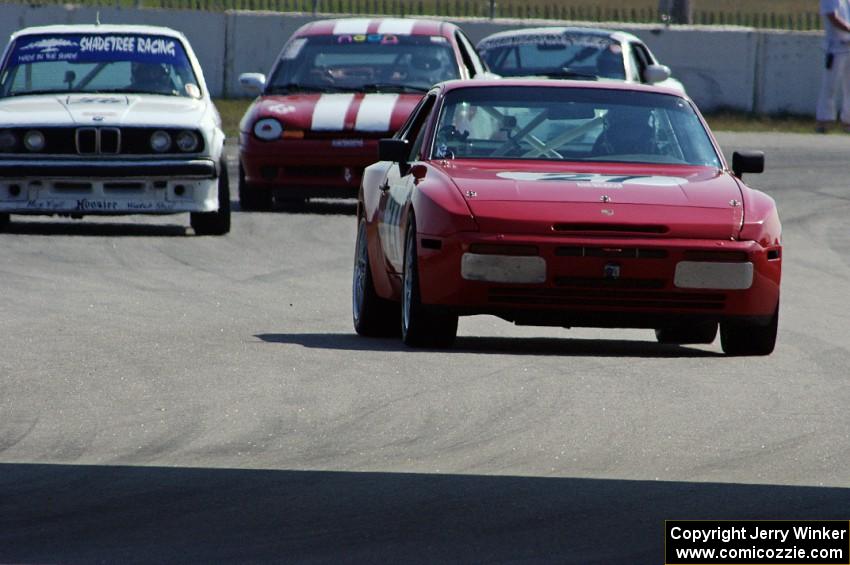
<point x="344" y="112"/>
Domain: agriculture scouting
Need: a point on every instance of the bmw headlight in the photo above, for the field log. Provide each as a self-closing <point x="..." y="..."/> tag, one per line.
<point x="34" y="140"/>
<point x="8" y="140"/>
<point x="187" y="141"/>
<point x="160" y="141"/>
<point x="268" y="129"/>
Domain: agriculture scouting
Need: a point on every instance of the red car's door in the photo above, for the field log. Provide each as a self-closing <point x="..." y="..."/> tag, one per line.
<point x="397" y="189"/>
<point x="392" y="206"/>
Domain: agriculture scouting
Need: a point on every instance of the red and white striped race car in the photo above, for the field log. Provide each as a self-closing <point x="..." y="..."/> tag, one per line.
<point x="337" y="87"/>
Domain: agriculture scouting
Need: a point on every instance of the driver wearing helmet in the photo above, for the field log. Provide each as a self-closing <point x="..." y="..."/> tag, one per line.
<point x="628" y="130"/>
<point x="609" y="63"/>
<point x="151" y="77"/>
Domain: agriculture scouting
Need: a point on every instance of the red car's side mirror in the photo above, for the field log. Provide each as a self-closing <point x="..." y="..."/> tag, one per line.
<point x="395" y="150"/>
<point x="747" y="162"/>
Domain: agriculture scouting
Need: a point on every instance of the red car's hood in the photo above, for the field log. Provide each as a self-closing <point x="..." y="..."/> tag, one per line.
<point x="343" y="112"/>
<point x="674" y="201"/>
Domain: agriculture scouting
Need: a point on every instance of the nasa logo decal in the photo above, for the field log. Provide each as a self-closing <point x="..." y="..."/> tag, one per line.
<point x="281" y="108"/>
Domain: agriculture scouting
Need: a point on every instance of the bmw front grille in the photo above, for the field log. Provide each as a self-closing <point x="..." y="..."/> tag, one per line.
<point x="94" y="141"/>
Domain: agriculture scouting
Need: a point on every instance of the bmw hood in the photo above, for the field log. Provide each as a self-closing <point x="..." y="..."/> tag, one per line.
<point x="102" y="109"/>
<point x="633" y="199"/>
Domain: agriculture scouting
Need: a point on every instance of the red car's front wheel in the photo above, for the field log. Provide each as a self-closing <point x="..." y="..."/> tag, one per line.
<point x="749" y="338"/>
<point x="251" y="198"/>
<point x="421" y="325"/>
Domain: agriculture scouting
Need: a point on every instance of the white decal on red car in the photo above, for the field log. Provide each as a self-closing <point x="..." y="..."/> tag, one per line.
<point x="281" y="108"/>
<point x="593" y="180"/>
<point x="329" y="112"/>
<point x="375" y="112"/>
<point x="396" y="26"/>
<point x="354" y="25"/>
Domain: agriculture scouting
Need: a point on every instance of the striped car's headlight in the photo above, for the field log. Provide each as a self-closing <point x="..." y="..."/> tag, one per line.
<point x="268" y="129"/>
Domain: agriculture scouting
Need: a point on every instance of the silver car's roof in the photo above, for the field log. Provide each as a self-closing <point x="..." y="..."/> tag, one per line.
<point x="534" y="32"/>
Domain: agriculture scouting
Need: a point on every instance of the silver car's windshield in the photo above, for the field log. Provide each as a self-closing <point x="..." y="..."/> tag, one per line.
<point x="564" y="55"/>
<point x="571" y="124"/>
<point x="96" y="63"/>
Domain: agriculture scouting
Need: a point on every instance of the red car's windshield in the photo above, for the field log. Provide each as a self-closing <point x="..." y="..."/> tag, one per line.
<point x="571" y="124"/>
<point x="358" y="63"/>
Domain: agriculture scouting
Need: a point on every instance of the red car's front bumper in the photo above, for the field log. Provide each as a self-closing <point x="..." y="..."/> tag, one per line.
<point x="303" y="168"/>
<point x="605" y="282"/>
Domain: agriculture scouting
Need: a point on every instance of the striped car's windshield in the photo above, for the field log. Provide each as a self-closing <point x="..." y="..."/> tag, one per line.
<point x="364" y="62"/>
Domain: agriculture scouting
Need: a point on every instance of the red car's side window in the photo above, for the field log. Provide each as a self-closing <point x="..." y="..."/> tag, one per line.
<point x="418" y="131"/>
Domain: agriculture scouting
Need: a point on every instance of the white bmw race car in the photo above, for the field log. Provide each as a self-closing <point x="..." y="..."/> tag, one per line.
<point x="109" y="120"/>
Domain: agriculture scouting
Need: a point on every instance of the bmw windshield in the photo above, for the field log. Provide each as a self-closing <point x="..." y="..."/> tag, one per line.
<point x="367" y="62"/>
<point x="98" y="63"/>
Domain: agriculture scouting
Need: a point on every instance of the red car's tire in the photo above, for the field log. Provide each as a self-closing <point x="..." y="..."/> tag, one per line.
<point x="250" y="198"/>
<point x="373" y="316"/>
<point x="705" y="332"/>
<point x="747" y="338"/>
<point x="421" y="325"/>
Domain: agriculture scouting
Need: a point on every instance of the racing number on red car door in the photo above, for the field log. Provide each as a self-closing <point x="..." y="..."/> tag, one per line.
<point x="389" y="215"/>
<point x="394" y="201"/>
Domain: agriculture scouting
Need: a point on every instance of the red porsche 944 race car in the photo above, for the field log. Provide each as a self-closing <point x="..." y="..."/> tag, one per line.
<point x="337" y="87"/>
<point x="565" y="204"/>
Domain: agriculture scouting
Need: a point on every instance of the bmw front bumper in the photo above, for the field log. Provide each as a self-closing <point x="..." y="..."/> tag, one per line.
<point x="109" y="187"/>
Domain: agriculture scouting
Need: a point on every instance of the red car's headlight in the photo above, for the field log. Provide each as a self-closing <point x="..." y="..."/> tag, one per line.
<point x="268" y="129"/>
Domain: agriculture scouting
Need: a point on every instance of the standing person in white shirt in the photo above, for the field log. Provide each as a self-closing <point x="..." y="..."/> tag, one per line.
<point x="836" y="75"/>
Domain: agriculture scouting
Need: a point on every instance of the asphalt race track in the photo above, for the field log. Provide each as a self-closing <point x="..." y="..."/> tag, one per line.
<point x="166" y="398"/>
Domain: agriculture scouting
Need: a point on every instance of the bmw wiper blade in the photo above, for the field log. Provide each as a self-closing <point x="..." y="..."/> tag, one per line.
<point x="128" y="91"/>
<point x="393" y="87"/>
<point x="37" y="92"/>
